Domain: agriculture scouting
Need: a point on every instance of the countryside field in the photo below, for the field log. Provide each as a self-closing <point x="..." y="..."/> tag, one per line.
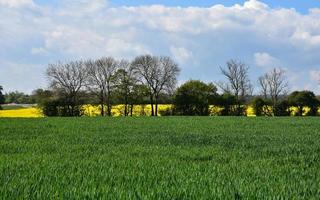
<point x="160" y="158"/>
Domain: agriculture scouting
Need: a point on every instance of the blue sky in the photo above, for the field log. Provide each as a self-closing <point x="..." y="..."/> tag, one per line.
<point x="263" y="34"/>
<point x="301" y="5"/>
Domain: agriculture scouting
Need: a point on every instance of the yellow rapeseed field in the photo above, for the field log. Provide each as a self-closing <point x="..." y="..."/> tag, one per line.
<point x="118" y="110"/>
<point x="22" y="112"/>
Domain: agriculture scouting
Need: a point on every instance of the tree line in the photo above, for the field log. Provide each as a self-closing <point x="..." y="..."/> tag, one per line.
<point x="153" y="79"/>
<point x="107" y="81"/>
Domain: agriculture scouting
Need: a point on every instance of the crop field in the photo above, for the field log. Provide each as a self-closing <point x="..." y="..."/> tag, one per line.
<point x="160" y="158"/>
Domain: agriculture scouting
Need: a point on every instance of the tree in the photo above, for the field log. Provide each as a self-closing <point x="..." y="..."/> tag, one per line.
<point x="101" y="81"/>
<point x="68" y="79"/>
<point x="2" y="99"/>
<point x="46" y="101"/>
<point x="193" y="97"/>
<point x="19" y="98"/>
<point x="126" y="80"/>
<point x="260" y="106"/>
<point x="138" y="96"/>
<point x="229" y="103"/>
<point x="238" y="83"/>
<point x="282" y="108"/>
<point x="158" y="73"/>
<point x="302" y="99"/>
<point x="273" y="84"/>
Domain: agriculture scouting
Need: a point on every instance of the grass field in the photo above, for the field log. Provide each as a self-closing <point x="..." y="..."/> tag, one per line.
<point x="160" y="158"/>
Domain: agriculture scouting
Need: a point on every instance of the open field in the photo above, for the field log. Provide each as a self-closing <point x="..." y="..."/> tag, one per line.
<point x="167" y="157"/>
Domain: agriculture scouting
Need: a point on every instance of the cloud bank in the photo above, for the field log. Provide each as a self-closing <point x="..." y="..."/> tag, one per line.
<point x="199" y="39"/>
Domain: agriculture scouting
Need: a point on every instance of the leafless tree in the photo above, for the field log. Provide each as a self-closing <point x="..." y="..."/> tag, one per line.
<point x="159" y="74"/>
<point x="274" y="84"/>
<point x="69" y="78"/>
<point x="238" y="83"/>
<point x="101" y="74"/>
<point x="263" y="83"/>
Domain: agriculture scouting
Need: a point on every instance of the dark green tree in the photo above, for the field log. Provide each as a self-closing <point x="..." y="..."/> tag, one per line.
<point x="2" y="99"/>
<point x="193" y="98"/>
<point x="302" y="99"/>
<point x="126" y="80"/>
<point x="282" y="108"/>
<point x="229" y="104"/>
<point x="139" y="96"/>
<point x="47" y="102"/>
<point x="258" y="105"/>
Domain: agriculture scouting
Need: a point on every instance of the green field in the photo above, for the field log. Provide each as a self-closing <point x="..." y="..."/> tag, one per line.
<point x="160" y="158"/>
<point x="11" y="107"/>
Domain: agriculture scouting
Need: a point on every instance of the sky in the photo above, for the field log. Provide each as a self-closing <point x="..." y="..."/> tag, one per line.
<point x="200" y="35"/>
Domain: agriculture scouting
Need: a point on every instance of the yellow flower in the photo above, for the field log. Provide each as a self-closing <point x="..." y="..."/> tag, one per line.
<point x="23" y="112"/>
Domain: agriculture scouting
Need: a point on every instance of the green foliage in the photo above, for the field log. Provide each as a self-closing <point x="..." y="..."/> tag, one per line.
<point x="167" y="112"/>
<point x="12" y="107"/>
<point x="160" y="158"/>
<point x="303" y="99"/>
<point x="2" y="98"/>
<point x="193" y="98"/>
<point x="230" y="105"/>
<point x="19" y="98"/>
<point x="261" y="106"/>
<point x="282" y="108"/>
<point x="58" y="104"/>
<point x="258" y="104"/>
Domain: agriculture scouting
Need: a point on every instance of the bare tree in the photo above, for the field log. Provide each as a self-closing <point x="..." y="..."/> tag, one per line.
<point x="238" y="83"/>
<point x="69" y="78"/>
<point x="274" y="84"/>
<point x="101" y="74"/>
<point x="159" y="74"/>
<point x="263" y="83"/>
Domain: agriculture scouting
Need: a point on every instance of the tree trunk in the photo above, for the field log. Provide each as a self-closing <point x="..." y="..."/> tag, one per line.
<point x="109" y="109"/>
<point x="274" y="105"/>
<point x="102" y="103"/>
<point x="156" y="105"/>
<point x="73" y="105"/>
<point x="151" y="103"/>
<point x="109" y="103"/>
<point x="300" y="110"/>
<point x="102" y="109"/>
<point x="238" y="109"/>
<point x="126" y="106"/>
<point x="131" y="110"/>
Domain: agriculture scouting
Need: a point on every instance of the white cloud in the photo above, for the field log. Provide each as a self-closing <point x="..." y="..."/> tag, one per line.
<point x="77" y="43"/>
<point x="181" y="54"/>
<point x="203" y="38"/>
<point x="265" y="60"/>
<point x="81" y="7"/>
<point x="305" y="38"/>
<point x="16" y="3"/>
<point x="39" y="51"/>
<point x="315" y="75"/>
<point x="254" y="4"/>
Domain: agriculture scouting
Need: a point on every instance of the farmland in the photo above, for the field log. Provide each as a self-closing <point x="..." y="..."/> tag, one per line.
<point x="166" y="157"/>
